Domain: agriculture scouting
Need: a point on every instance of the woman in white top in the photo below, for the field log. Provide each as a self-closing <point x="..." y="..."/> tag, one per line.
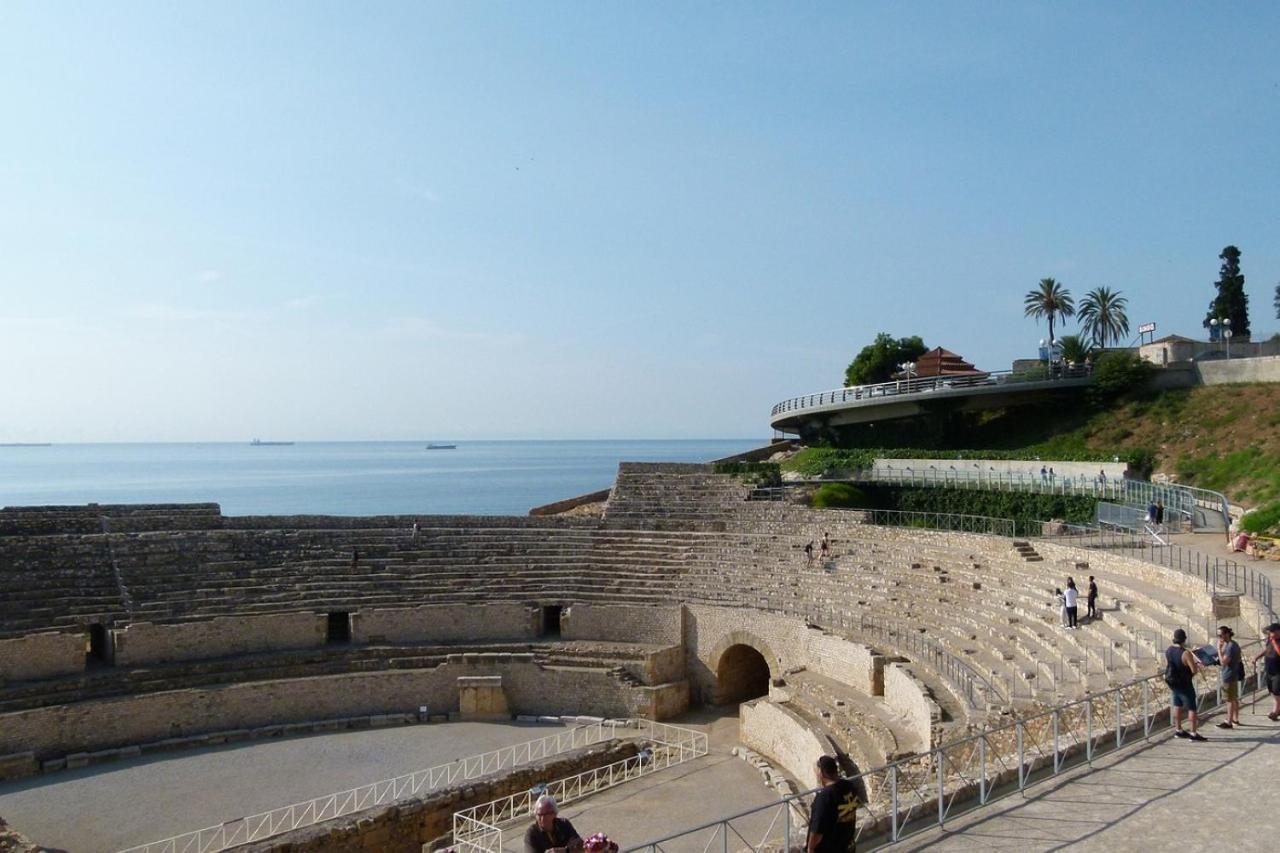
<point x="1070" y="597"/>
<point x="1062" y="605"/>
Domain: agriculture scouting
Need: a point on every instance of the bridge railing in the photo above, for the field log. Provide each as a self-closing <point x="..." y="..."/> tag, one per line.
<point x="924" y="385"/>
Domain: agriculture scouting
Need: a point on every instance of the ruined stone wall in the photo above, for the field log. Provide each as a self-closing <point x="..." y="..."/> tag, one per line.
<point x="110" y="723"/>
<point x="622" y="623"/>
<point x="445" y="623"/>
<point x="144" y="642"/>
<point x="784" y="737"/>
<point x="41" y="656"/>
<point x="846" y="662"/>
<point x="907" y="695"/>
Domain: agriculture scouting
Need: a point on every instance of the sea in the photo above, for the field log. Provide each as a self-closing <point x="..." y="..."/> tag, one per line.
<point x="336" y="478"/>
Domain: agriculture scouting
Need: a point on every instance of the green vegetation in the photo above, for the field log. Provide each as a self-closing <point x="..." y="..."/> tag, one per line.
<point x="879" y="360"/>
<point x="1116" y="375"/>
<point x="1025" y="509"/>
<point x="821" y="461"/>
<point x="1231" y="303"/>
<point x="833" y="495"/>
<point x="1264" y="519"/>
<point x="1075" y="350"/>
<point x="1050" y="300"/>
<point x="755" y="473"/>
<point x="1103" y="318"/>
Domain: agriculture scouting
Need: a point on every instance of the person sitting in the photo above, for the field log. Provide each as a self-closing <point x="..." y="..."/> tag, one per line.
<point x="599" y="843"/>
<point x="549" y="833"/>
<point x="1241" y="543"/>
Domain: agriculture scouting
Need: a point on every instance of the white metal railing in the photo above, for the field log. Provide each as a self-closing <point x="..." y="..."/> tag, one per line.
<point x="479" y="828"/>
<point x="298" y="815"/>
<point x="924" y="791"/>
<point x="927" y="384"/>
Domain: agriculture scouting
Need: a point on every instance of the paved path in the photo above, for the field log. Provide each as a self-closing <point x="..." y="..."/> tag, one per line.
<point x="1167" y="795"/>
<point x="111" y="806"/>
<point x="674" y="799"/>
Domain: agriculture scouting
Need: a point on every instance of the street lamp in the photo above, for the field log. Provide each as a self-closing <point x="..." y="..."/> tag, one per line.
<point x="1221" y="330"/>
<point x="908" y="367"/>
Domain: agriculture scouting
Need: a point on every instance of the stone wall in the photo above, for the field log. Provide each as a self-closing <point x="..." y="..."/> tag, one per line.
<point x="145" y="643"/>
<point x="444" y="623"/>
<point x="41" y="656"/>
<point x="407" y="825"/>
<point x="530" y="689"/>
<point x="846" y="662"/>
<point x="571" y="503"/>
<point x="1224" y="372"/>
<point x="784" y="737"/>
<point x="907" y="695"/>
<point x="622" y="623"/>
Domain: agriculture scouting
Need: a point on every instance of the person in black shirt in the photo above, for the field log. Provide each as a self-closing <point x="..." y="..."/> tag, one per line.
<point x="550" y="834"/>
<point x="833" y="820"/>
<point x="1093" y="599"/>
<point x="1271" y="652"/>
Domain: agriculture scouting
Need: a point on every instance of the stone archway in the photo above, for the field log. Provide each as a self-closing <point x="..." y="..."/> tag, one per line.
<point x="742" y="673"/>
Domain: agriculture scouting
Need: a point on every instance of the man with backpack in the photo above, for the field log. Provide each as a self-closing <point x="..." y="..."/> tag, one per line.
<point x="1180" y="665"/>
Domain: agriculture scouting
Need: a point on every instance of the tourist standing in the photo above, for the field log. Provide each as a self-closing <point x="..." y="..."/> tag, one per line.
<point x="825" y="546"/>
<point x="808" y="552"/>
<point x="1062" y="605"/>
<point x="1070" y="599"/>
<point x="833" y="819"/>
<point x="1180" y="665"/>
<point x="1044" y="474"/>
<point x="1093" y="599"/>
<point x="1230" y="675"/>
<point x="1159" y="513"/>
<point x="1151" y="513"/>
<point x="1271" y="652"/>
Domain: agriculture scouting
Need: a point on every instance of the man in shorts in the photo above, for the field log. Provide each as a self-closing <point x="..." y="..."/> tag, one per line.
<point x="1231" y="675"/>
<point x="1180" y="665"/>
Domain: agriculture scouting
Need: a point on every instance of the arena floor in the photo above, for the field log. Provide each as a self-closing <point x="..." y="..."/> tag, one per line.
<point x="111" y="806"/>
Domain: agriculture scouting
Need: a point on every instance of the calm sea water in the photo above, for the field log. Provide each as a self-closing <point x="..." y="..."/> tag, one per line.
<point x="335" y="478"/>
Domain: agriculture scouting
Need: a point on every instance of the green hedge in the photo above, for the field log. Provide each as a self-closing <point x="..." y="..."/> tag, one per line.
<point x="838" y="495"/>
<point x="1264" y="519"/>
<point x="1023" y="508"/>
<point x="817" y="461"/>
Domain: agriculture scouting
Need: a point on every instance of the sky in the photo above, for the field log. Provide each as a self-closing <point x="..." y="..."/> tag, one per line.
<point x="342" y="221"/>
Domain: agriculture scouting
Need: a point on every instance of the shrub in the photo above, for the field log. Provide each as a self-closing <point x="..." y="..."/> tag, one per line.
<point x="838" y="495"/>
<point x="755" y="473"/>
<point x="1262" y="519"/>
<point x="1117" y="373"/>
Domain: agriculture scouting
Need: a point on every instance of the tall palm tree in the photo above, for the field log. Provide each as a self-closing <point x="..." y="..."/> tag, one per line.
<point x="1103" y="317"/>
<point x="1075" y="350"/>
<point x="1052" y="300"/>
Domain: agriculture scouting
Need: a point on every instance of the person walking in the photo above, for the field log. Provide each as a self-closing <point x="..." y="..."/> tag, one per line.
<point x="825" y="547"/>
<point x="1070" y="600"/>
<point x="1230" y="675"/>
<point x="1159" y="513"/>
<point x="1092" y="600"/>
<point x="833" y="818"/>
<point x="1180" y="665"/>
<point x="808" y="552"/>
<point x="1271" y="652"/>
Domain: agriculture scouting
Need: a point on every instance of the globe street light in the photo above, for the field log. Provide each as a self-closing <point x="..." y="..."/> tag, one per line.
<point x="1220" y="330"/>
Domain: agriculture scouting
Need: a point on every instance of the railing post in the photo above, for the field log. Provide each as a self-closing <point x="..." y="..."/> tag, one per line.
<point x="941" y="793"/>
<point x="893" y="801"/>
<point x="1056" y="763"/>
<point x="982" y="769"/>
<point x="1022" y="762"/>
<point x="1119" y="722"/>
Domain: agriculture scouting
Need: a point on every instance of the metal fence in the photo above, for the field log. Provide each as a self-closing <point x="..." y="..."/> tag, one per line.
<point x="480" y="828"/>
<point x="298" y="815"/>
<point x="925" y="791"/>
<point x="1218" y="573"/>
<point x="927" y="384"/>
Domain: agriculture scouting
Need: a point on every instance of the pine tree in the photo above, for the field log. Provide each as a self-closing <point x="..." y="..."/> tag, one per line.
<point x="1231" y="303"/>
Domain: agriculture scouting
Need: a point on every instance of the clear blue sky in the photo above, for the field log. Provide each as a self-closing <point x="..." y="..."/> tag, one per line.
<point x="405" y="220"/>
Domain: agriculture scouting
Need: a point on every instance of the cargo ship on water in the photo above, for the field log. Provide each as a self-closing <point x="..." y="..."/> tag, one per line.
<point x="257" y="442"/>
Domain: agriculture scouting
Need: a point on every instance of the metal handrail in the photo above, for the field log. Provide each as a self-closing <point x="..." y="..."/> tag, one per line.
<point x="479" y="827"/>
<point x="922" y="385"/>
<point x="922" y="791"/>
<point x="298" y="815"/>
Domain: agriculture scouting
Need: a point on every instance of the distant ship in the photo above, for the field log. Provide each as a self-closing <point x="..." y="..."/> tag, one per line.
<point x="25" y="444"/>
<point x="434" y="446"/>
<point x="257" y="442"/>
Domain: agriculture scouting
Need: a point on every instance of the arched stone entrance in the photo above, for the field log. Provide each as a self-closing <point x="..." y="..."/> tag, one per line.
<point x="741" y="674"/>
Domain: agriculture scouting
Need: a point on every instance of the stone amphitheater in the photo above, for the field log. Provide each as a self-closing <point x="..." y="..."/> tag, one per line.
<point x="128" y="630"/>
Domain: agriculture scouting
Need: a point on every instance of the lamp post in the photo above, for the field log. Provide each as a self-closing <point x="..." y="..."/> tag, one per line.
<point x="908" y="367"/>
<point x="1220" y="330"/>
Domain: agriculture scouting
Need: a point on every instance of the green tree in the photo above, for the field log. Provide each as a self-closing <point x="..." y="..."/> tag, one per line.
<point x="878" y="361"/>
<point x="1050" y="300"/>
<point x="1103" y="318"/>
<point x="1075" y="349"/>
<point x="1231" y="303"/>
<point x="1276" y="303"/>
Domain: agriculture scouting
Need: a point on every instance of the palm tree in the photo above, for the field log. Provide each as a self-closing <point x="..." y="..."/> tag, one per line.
<point x="1102" y="316"/>
<point x="1075" y="350"/>
<point x="1052" y="300"/>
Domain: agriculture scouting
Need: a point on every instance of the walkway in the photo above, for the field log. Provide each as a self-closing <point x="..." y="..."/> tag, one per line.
<point x="112" y="806"/>
<point x="1166" y="795"/>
